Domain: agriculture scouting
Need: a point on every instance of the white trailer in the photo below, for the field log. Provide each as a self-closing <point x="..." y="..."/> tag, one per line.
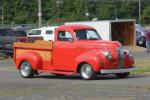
<point x="115" y="30"/>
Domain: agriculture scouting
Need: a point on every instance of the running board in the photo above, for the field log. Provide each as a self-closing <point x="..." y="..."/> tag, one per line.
<point x="58" y="72"/>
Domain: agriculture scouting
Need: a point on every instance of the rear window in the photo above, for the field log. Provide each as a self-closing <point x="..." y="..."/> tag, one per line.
<point x="49" y="32"/>
<point x="6" y="32"/>
<point x="20" y="33"/>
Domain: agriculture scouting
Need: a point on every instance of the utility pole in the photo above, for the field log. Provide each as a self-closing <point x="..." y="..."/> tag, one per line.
<point x="139" y="11"/>
<point x="116" y="10"/>
<point x="2" y="15"/>
<point x="85" y="8"/>
<point x="40" y="13"/>
<point x="59" y="5"/>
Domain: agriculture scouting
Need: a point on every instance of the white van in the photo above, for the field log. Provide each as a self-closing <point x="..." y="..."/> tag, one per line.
<point x="43" y="33"/>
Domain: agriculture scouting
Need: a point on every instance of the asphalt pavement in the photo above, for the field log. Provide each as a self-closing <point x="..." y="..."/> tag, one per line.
<point x="49" y="87"/>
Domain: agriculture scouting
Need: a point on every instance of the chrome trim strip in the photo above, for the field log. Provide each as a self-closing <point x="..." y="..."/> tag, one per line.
<point x="120" y="58"/>
<point x="103" y="71"/>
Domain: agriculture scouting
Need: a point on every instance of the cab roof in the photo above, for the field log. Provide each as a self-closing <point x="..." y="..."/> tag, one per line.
<point x="75" y="27"/>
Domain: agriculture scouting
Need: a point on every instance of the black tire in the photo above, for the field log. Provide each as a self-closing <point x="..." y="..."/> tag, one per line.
<point x="26" y="70"/>
<point x="122" y="75"/>
<point x="59" y="75"/>
<point x="87" y="72"/>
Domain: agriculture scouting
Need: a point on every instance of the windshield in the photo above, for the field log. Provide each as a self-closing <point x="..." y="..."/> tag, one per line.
<point x="87" y="34"/>
<point x="35" y="32"/>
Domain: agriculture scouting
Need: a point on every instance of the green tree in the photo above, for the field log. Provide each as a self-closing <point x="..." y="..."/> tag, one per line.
<point x="26" y="11"/>
<point x="146" y="15"/>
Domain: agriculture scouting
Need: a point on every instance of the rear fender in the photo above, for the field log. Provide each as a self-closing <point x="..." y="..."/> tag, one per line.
<point x="33" y="58"/>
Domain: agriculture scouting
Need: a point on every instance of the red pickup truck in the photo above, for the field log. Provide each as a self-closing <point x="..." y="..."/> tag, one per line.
<point x="76" y="49"/>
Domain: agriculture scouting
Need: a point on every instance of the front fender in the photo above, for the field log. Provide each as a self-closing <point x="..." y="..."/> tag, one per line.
<point x="94" y="58"/>
<point x="33" y="58"/>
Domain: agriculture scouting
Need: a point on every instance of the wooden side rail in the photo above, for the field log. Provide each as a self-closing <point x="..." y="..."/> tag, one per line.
<point x="39" y="44"/>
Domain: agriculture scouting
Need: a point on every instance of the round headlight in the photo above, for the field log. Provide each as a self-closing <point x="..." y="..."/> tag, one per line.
<point x="108" y="55"/>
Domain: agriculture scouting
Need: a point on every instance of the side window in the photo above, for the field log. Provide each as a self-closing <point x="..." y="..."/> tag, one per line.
<point x="35" y="32"/>
<point x="49" y="32"/>
<point x="64" y="36"/>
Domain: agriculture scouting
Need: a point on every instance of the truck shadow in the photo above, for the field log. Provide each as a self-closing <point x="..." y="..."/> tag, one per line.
<point x="99" y="77"/>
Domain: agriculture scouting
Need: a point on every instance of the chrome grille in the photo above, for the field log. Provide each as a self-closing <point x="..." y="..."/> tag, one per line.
<point x="120" y="57"/>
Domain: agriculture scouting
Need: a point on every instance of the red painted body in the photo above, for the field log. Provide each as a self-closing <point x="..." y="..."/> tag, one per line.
<point x="68" y="55"/>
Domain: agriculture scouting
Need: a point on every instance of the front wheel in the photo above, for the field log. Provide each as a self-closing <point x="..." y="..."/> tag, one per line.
<point x="26" y="70"/>
<point x="87" y="72"/>
<point x="122" y="75"/>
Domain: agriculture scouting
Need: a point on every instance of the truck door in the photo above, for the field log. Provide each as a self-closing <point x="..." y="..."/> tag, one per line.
<point x="64" y="52"/>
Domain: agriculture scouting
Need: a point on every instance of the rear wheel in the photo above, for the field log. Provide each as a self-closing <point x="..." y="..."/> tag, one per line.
<point x="87" y="72"/>
<point x="122" y="75"/>
<point x="26" y="70"/>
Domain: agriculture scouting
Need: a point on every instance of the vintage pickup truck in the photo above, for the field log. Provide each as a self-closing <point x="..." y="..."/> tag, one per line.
<point x="77" y="49"/>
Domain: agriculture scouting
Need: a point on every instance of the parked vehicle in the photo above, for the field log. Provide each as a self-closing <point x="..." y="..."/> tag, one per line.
<point x="140" y="35"/>
<point x="7" y="37"/>
<point x="44" y="33"/>
<point x="75" y="49"/>
<point x="22" y="27"/>
<point x="21" y="35"/>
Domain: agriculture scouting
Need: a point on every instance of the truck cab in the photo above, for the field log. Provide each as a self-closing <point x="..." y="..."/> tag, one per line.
<point x="76" y="49"/>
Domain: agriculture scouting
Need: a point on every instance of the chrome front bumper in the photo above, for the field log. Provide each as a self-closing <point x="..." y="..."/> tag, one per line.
<point x="113" y="71"/>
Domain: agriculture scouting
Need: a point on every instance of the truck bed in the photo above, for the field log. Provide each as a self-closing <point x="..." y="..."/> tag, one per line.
<point x="43" y="48"/>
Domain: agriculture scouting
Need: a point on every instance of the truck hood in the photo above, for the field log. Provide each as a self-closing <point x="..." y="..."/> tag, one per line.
<point x="100" y="44"/>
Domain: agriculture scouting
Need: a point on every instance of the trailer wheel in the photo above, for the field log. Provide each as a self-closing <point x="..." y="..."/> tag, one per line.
<point x="26" y="70"/>
<point x="141" y="41"/>
<point x="87" y="72"/>
<point x="122" y="75"/>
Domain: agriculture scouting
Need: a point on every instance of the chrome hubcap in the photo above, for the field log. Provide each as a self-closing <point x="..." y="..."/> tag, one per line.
<point x="25" y="68"/>
<point x="86" y="71"/>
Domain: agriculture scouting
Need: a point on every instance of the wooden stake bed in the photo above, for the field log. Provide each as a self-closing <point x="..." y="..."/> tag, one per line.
<point x="41" y="47"/>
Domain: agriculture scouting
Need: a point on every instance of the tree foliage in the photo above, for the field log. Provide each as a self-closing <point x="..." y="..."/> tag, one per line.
<point x="55" y="11"/>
